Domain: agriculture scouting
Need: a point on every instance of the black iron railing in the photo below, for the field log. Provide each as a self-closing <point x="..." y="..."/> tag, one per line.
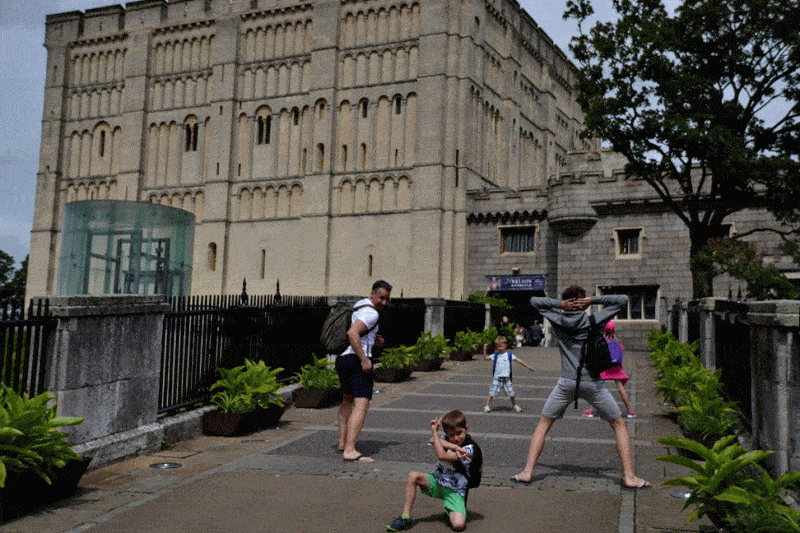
<point x="24" y="353"/>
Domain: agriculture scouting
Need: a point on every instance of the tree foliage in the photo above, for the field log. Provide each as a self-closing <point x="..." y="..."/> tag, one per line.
<point x="12" y="280"/>
<point x="703" y="102"/>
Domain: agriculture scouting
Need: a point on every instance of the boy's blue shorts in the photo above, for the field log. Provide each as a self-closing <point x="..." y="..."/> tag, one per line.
<point x="354" y="381"/>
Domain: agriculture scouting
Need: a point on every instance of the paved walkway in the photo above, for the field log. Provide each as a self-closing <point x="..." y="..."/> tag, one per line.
<point x="292" y="479"/>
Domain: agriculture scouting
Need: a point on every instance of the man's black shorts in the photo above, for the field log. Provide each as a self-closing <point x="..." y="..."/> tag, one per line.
<point x="354" y="380"/>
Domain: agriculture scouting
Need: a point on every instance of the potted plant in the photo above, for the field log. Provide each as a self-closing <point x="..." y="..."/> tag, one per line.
<point x="489" y="336"/>
<point x="37" y="464"/>
<point x="396" y="364"/>
<point x="319" y="385"/>
<point x="466" y="344"/>
<point x="431" y="350"/>
<point x="246" y="398"/>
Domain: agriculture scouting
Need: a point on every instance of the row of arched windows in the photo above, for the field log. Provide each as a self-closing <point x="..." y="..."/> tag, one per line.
<point x="180" y="92"/>
<point x="93" y="153"/>
<point x="91" y="190"/>
<point x="289" y="77"/>
<point x="373" y="195"/>
<point x="270" y="201"/>
<point x="173" y="153"/>
<point x="95" y="103"/>
<point x="396" y="23"/>
<point x="102" y="66"/>
<point x="290" y="38"/>
<point x="189" y="200"/>
<point x="378" y="66"/>
<point x="181" y="55"/>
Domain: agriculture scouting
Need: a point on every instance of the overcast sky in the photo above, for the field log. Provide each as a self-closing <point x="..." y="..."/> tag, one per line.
<point x="22" y="67"/>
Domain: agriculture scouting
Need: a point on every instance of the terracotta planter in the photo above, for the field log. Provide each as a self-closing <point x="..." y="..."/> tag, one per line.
<point x="227" y="424"/>
<point x="461" y="355"/>
<point x="25" y="490"/>
<point x="316" y="398"/>
<point x="428" y="365"/>
<point x="392" y="375"/>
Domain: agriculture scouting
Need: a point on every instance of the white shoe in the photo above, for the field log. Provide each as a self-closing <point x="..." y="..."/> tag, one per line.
<point x="517" y="408"/>
<point x="486" y="409"/>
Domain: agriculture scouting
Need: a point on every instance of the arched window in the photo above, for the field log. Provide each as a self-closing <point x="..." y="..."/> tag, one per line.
<point x="364" y="105"/>
<point x="344" y="157"/>
<point x="398" y="105"/>
<point x="295" y="116"/>
<point x="264" y="128"/>
<point x="190" y="127"/>
<point x="102" y="149"/>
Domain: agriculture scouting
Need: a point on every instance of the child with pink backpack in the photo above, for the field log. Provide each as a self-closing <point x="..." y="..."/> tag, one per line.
<point x="615" y="372"/>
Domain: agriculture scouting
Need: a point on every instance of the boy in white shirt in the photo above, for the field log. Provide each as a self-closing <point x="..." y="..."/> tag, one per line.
<point x="501" y="374"/>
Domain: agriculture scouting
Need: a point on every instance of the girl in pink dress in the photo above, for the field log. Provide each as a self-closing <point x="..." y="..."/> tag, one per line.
<point x="617" y="374"/>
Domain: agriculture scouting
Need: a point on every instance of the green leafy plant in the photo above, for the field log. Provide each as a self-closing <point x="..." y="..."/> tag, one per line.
<point x="468" y="341"/>
<point x="495" y="301"/>
<point x="490" y="335"/>
<point x="29" y="439"/>
<point x="730" y="486"/>
<point x="704" y="413"/>
<point x="399" y="357"/>
<point x="247" y="387"/>
<point x="318" y="375"/>
<point x="430" y="346"/>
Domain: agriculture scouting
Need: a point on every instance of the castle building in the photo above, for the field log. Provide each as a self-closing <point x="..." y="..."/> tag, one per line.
<point x="330" y="143"/>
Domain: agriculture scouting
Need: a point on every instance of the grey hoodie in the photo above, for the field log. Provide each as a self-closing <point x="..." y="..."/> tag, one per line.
<point x="571" y="328"/>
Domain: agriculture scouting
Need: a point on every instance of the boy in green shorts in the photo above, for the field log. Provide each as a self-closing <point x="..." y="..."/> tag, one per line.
<point x="458" y="468"/>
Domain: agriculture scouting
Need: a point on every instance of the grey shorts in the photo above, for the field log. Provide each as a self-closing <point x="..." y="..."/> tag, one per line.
<point x="594" y="392"/>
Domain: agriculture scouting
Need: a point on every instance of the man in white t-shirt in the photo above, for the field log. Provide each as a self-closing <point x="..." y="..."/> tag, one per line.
<point x="354" y="367"/>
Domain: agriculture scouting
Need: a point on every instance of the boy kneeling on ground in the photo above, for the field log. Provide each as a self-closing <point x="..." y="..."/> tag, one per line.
<point x="458" y="468"/>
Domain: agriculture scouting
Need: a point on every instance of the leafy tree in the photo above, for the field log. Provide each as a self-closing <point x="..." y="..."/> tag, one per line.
<point x="12" y="281"/>
<point x="702" y="102"/>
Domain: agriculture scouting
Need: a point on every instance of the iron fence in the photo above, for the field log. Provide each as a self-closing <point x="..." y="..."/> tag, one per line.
<point x="24" y="346"/>
<point x="203" y="332"/>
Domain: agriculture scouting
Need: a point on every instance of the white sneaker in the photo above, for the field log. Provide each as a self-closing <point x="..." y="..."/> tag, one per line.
<point x="486" y="409"/>
<point x="517" y="408"/>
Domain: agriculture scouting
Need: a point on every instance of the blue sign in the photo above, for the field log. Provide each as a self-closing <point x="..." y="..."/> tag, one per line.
<point x="515" y="283"/>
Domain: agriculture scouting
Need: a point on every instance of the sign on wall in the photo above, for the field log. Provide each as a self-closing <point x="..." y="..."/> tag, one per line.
<point x="515" y="283"/>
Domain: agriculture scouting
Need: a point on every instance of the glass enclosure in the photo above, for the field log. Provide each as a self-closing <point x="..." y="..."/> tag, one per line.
<point x="118" y="247"/>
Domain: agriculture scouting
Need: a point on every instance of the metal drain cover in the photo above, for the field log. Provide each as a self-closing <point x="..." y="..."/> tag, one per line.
<point x="165" y="465"/>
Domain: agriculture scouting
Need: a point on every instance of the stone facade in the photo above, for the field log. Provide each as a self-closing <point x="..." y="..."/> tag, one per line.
<point x="331" y="143"/>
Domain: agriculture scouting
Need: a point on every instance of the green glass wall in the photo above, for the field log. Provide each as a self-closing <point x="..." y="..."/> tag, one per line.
<point x="117" y="247"/>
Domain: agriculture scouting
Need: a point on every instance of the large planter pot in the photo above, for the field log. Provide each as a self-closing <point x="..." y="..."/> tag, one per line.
<point x="227" y="424"/>
<point x="316" y="398"/>
<point x="26" y="490"/>
<point x="428" y="365"/>
<point x="461" y="355"/>
<point x="392" y="375"/>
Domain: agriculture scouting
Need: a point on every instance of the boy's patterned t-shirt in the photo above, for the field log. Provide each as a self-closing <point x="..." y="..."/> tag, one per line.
<point x="447" y="476"/>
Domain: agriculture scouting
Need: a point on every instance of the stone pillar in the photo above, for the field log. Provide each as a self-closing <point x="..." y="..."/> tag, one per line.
<point x="708" y="348"/>
<point x="434" y="315"/>
<point x="775" y="359"/>
<point x="106" y="362"/>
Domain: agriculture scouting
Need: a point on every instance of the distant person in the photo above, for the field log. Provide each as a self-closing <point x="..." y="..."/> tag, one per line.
<point x="354" y="367"/>
<point x="519" y="336"/>
<point x="571" y="326"/>
<point x="459" y="458"/>
<point x="535" y="334"/>
<point x="615" y="372"/>
<point x="502" y="372"/>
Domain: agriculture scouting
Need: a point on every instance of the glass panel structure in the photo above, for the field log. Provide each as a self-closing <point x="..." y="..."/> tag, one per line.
<point x="119" y="247"/>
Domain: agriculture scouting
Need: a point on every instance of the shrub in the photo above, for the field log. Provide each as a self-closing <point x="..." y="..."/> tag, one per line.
<point x="318" y="375"/>
<point x="468" y="341"/>
<point x="399" y="357"/>
<point x="730" y="486"/>
<point x="430" y="346"/>
<point x="247" y="387"/>
<point x="29" y="439"/>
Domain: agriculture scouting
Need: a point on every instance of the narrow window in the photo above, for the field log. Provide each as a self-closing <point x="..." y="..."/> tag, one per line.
<point x="212" y="256"/>
<point x="194" y="138"/>
<point x="364" y="108"/>
<point x="188" y="129"/>
<point x="398" y="105"/>
<point x="363" y="156"/>
<point x="320" y="157"/>
<point x="295" y="116"/>
<point x="456" y="168"/>
<point x="369" y="266"/>
<point x="260" y="135"/>
<point x="263" y="263"/>
<point x="267" y="129"/>
<point x="102" y="143"/>
<point x="344" y="157"/>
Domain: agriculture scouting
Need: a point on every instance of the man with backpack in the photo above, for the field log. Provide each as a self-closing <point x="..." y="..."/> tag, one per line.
<point x="571" y="326"/>
<point x="354" y="367"/>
